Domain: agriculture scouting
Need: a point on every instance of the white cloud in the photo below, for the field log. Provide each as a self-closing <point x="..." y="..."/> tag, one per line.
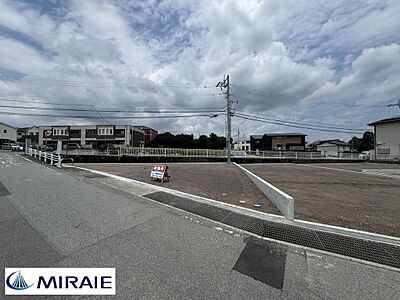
<point x="19" y="57"/>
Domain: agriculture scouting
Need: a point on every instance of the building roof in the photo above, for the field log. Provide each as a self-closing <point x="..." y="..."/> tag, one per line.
<point x="384" y="121"/>
<point x="285" y="134"/>
<point x="256" y="136"/>
<point x="260" y="136"/>
<point x="7" y="125"/>
<point x="143" y="127"/>
<point x="335" y="142"/>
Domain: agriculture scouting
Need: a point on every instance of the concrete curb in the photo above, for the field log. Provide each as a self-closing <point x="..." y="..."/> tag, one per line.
<point x="282" y="201"/>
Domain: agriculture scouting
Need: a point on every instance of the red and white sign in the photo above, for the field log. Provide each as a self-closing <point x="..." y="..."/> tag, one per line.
<point x="158" y="172"/>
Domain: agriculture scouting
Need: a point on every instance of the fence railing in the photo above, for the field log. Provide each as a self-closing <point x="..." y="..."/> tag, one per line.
<point x="301" y="155"/>
<point x="52" y="159"/>
<point x="178" y="152"/>
<point x="137" y="151"/>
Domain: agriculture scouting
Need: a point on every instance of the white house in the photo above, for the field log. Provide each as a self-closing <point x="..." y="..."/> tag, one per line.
<point x="7" y="133"/>
<point x="387" y="138"/>
<point x="333" y="147"/>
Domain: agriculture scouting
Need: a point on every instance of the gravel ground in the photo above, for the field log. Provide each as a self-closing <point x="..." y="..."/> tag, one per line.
<point x="339" y="197"/>
<point x="217" y="181"/>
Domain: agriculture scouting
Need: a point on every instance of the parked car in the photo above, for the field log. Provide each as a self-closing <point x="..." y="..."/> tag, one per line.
<point x="72" y="146"/>
<point x="51" y="148"/>
<point x="6" y="146"/>
<point x="364" y="155"/>
<point x="17" y="147"/>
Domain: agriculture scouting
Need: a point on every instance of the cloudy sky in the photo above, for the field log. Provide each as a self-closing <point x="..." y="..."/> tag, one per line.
<point x="333" y="63"/>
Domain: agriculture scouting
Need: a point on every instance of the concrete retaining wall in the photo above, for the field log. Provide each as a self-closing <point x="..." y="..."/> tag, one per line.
<point x="280" y="199"/>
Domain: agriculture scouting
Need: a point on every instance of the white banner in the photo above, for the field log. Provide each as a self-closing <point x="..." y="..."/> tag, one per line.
<point x="60" y="281"/>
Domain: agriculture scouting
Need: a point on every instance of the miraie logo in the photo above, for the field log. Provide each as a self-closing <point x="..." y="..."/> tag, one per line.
<point x="19" y="282"/>
<point x="60" y="281"/>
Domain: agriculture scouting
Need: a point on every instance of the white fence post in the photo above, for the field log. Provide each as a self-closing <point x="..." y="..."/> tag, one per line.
<point x="45" y="157"/>
<point x="51" y="159"/>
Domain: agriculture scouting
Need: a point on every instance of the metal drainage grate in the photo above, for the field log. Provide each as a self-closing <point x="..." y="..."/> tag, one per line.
<point x="3" y="190"/>
<point x="380" y="253"/>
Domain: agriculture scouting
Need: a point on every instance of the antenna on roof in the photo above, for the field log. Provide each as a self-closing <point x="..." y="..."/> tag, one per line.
<point x="394" y="104"/>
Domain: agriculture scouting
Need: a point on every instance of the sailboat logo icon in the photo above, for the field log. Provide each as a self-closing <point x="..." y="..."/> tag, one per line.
<point x="19" y="282"/>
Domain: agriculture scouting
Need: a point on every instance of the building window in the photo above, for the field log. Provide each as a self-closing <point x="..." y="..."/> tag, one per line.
<point x="105" y="131"/>
<point x="60" y="131"/>
<point x="5" y="130"/>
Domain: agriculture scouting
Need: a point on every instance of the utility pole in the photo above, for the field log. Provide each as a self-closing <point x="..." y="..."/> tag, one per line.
<point x="225" y="84"/>
<point x="238" y="139"/>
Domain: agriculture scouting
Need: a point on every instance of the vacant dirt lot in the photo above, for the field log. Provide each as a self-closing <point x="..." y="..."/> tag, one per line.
<point x="217" y="181"/>
<point x="322" y="194"/>
<point x="339" y="197"/>
<point x="360" y="166"/>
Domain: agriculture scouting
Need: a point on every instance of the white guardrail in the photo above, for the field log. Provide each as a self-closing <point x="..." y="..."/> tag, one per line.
<point x="52" y="159"/>
<point x="179" y="152"/>
<point x="137" y="151"/>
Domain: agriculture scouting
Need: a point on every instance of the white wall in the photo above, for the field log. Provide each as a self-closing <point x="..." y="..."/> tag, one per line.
<point x="10" y="134"/>
<point x="388" y="137"/>
<point x="328" y="149"/>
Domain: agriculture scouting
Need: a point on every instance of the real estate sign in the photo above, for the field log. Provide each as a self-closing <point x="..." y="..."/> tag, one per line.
<point x="158" y="172"/>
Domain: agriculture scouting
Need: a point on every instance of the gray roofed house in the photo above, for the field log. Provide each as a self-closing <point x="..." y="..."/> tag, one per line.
<point x="332" y="147"/>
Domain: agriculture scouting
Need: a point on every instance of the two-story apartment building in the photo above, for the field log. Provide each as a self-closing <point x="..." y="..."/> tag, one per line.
<point x="91" y="136"/>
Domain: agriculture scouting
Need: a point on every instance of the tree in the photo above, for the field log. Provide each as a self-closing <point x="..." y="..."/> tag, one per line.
<point x="168" y="140"/>
<point x="365" y="143"/>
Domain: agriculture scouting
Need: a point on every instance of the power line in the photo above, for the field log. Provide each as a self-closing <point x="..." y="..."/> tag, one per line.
<point x="298" y="123"/>
<point x="111" y="84"/>
<point x="43" y="79"/>
<point x="295" y="126"/>
<point x="108" y="117"/>
<point x="99" y="114"/>
<point x="40" y="102"/>
<point x="200" y="110"/>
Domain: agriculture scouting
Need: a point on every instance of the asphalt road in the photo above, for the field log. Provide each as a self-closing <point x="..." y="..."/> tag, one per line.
<point x="62" y="218"/>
